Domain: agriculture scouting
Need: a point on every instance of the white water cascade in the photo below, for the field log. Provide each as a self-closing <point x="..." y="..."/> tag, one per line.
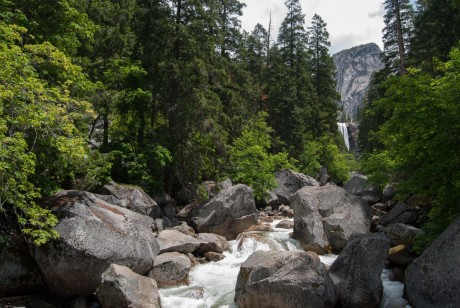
<point x="343" y="129"/>
<point x="213" y="284"/>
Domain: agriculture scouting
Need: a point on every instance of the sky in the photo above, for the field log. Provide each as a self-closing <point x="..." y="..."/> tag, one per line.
<point x="349" y="22"/>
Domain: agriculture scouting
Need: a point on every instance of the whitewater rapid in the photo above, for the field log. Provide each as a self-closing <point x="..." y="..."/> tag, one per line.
<point x="213" y="284"/>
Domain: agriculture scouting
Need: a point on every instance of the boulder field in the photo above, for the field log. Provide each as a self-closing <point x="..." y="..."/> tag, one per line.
<point x="121" y="245"/>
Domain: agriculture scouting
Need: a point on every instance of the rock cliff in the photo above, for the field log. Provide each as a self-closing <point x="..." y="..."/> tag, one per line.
<point x="354" y="69"/>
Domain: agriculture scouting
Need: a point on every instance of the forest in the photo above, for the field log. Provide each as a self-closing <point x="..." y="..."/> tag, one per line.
<point x="166" y="94"/>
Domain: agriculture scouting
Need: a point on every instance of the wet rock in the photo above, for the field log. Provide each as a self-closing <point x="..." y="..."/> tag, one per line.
<point x="286" y="210"/>
<point x="276" y="279"/>
<point x="401" y="255"/>
<point x="356" y="271"/>
<point x="260" y="228"/>
<point x="231" y="212"/>
<point x="432" y="280"/>
<point x="171" y="269"/>
<point x="285" y="224"/>
<point x="121" y="287"/>
<point x="93" y="235"/>
<point x="175" y="241"/>
<point x="214" y="256"/>
<point x="212" y="243"/>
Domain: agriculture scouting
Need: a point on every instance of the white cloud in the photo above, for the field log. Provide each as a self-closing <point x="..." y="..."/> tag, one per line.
<point x="349" y="22"/>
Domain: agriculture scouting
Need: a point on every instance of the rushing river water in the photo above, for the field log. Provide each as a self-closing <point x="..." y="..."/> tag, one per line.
<point x="213" y="284"/>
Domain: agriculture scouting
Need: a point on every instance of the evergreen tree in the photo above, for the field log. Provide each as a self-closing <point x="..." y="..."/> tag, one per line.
<point x="323" y="77"/>
<point x="397" y="33"/>
<point x="437" y="31"/>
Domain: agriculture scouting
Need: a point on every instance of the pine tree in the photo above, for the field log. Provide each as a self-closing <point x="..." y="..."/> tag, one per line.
<point x="397" y="33"/>
<point x="437" y="31"/>
<point x="323" y="76"/>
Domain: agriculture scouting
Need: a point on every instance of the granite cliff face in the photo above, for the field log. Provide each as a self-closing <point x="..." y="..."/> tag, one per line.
<point x="354" y="69"/>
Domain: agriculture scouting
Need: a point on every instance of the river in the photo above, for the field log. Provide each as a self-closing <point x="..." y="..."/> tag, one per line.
<point x="213" y="284"/>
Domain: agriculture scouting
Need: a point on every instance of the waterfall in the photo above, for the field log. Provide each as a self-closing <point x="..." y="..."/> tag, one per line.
<point x="343" y="129"/>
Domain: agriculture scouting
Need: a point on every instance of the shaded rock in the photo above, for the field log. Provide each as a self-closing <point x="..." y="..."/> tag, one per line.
<point x="186" y="194"/>
<point x="284" y="279"/>
<point x="121" y="287"/>
<point x="171" y="269"/>
<point x="396" y="215"/>
<point x="214" y="256"/>
<point x="358" y="184"/>
<point x="19" y="274"/>
<point x="401" y="255"/>
<point x="371" y="197"/>
<point x="212" y="243"/>
<point x="433" y="279"/>
<point x="380" y="207"/>
<point x="175" y="241"/>
<point x="162" y="224"/>
<point x="289" y="182"/>
<point x="93" y="235"/>
<point x="286" y="211"/>
<point x="24" y="301"/>
<point x="400" y="234"/>
<point x="189" y="211"/>
<point x="271" y="199"/>
<point x="131" y="197"/>
<point x="231" y="212"/>
<point x="419" y="201"/>
<point x="327" y="216"/>
<point x="185" y="229"/>
<point x="356" y="271"/>
<point x="285" y="224"/>
<point x="389" y="191"/>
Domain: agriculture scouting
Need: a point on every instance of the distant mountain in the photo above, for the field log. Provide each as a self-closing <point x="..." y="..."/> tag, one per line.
<point x="354" y="69"/>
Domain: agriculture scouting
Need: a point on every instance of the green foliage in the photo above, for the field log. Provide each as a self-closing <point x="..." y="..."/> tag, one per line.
<point x="42" y="127"/>
<point x="250" y="160"/>
<point x="421" y="141"/>
<point x="140" y="166"/>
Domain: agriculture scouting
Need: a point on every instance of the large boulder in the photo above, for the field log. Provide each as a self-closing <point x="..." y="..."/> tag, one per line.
<point x="121" y="287"/>
<point x="291" y="279"/>
<point x="19" y="274"/>
<point x="93" y="235"/>
<point x="289" y="182"/>
<point x="229" y="213"/>
<point x="433" y="279"/>
<point x="356" y="271"/>
<point x="173" y="240"/>
<point x="325" y="217"/>
<point x="171" y="269"/>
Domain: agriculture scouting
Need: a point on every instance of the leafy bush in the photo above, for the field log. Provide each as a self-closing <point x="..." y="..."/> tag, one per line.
<point x="250" y="160"/>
